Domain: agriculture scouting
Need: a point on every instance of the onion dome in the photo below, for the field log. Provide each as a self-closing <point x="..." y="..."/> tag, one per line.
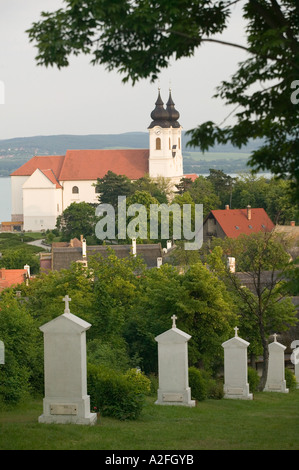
<point x="159" y="115"/>
<point x="173" y="114"/>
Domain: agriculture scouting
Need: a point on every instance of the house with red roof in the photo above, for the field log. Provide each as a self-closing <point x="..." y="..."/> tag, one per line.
<point x="45" y="186"/>
<point x="232" y="223"/>
<point x="13" y="277"/>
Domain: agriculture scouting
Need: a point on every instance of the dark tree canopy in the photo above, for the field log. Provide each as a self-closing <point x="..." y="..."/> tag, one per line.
<point x="140" y="38"/>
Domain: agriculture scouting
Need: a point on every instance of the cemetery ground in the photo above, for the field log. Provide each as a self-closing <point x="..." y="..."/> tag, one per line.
<point x="268" y="422"/>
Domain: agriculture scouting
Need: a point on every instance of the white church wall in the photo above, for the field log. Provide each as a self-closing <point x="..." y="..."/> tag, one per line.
<point x="86" y="192"/>
<point x="42" y="202"/>
<point x="17" y="197"/>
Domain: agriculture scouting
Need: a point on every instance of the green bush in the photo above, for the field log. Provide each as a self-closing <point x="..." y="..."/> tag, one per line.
<point x="203" y="385"/>
<point x="253" y="379"/>
<point x="20" y="337"/>
<point x="197" y="384"/>
<point x="142" y="384"/>
<point x="117" y="395"/>
<point x="290" y="379"/>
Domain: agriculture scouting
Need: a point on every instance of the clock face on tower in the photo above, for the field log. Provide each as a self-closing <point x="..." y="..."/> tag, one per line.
<point x="158" y="132"/>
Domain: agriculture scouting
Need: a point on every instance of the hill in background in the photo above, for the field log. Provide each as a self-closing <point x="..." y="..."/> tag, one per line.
<point x="15" y="152"/>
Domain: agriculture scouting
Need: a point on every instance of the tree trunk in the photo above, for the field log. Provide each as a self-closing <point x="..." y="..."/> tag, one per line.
<point x="265" y="360"/>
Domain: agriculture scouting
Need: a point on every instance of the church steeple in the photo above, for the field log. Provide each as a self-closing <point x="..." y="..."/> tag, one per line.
<point x="173" y="114"/>
<point x="165" y="157"/>
<point x="159" y="115"/>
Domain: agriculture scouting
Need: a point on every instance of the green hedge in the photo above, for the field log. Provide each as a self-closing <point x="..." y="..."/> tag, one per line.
<point x="253" y="379"/>
<point x="117" y="395"/>
<point x="290" y="379"/>
<point x="203" y="385"/>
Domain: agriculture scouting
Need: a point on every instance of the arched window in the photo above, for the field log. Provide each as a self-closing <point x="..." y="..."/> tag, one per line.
<point x="158" y="143"/>
<point x="75" y="190"/>
<point x="179" y="143"/>
<point x="169" y="143"/>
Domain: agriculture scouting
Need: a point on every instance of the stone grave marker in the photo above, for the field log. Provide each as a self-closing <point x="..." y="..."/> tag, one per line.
<point x="295" y="359"/>
<point x="276" y="367"/>
<point x="173" y="367"/>
<point x="66" y="399"/>
<point x="2" y="353"/>
<point x="235" y="368"/>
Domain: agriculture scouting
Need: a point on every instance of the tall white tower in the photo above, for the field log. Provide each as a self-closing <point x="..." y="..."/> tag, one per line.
<point x="165" y="141"/>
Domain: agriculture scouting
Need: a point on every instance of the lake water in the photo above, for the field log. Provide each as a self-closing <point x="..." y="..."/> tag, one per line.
<point x="5" y="199"/>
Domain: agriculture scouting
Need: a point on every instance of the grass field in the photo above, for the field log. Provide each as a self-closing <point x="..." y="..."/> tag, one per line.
<point x="269" y="422"/>
<point x="16" y="241"/>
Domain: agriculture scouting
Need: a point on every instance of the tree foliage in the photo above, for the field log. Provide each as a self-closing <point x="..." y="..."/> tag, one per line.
<point x="76" y="220"/>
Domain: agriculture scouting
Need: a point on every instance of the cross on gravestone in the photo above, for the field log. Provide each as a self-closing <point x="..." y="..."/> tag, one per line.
<point x="236" y="331"/>
<point x="67" y="299"/>
<point x="174" y="318"/>
<point x="275" y="337"/>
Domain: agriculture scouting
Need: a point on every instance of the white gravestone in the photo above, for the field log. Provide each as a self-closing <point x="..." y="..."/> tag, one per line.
<point x="295" y="360"/>
<point x="173" y="368"/>
<point x="66" y="399"/>
<point x="276" y="377"/>
<point x="235" y="368"/>
<point x="2" y="353"/>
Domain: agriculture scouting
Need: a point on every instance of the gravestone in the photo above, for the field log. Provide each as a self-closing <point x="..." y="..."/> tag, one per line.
<point x="235" y="368"/>
<point x="66" y="399"/>
<point x="2" y="353"/>
<point x="276" y="377"/>
<point x="173" y="367"/>
<point x="295" y="360"/>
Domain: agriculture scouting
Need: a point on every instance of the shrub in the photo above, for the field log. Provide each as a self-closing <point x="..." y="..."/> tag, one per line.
<point x="253" y="379"/>
<point x="197" y="384"/>
<point x="141" y="383"/>
<point x="154" y="383"/>
<point x="20" y="337"/>
<point x="290" y="379"/>
<point x="215" y="389"/>
<point x="116" y="395"/>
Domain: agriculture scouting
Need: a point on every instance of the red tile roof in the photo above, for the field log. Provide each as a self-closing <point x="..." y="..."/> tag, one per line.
<point x="10" y="277"/>
<point x="234" y="222"/>
<point x="89" y="164"/>
<point x="50" y="175"/>
<point x="43" y="163"/>
<point x="93" y="164"/>
<point x="192" y="176"/>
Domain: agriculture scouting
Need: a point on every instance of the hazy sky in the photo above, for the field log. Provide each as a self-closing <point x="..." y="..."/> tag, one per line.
<point x="85" y="99"/>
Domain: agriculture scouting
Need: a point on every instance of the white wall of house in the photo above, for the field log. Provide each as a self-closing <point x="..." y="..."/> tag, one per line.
<point x="86" y="192"/>
<point x="42" y="202"/>
<point x="17" y="197"/>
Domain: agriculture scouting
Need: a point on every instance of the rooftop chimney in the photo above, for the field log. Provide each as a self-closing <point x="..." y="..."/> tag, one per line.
<point x="249" y="212"/>
<point x="159" y="262"/>
<point x="292" y="223"/>
<point x="134" y="246"/>
<point x="83" y="248"/>
<point x="227" y="207"/>
<point x="27" y="267"/>
<point x="231" y="264"/>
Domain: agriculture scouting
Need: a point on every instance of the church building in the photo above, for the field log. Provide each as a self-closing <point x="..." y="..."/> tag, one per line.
<point x="45" y="186"/>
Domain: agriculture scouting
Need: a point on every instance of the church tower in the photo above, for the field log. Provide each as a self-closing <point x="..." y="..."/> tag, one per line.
<point x="165" y="144"/>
